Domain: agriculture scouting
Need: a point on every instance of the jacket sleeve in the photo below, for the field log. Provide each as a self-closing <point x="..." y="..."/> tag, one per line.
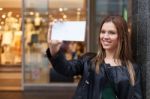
<point x="65" y="67"/>
<point x="138" y="85"/>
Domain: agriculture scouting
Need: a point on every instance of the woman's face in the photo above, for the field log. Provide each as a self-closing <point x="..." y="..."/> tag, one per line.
<point x="109" y="37"/>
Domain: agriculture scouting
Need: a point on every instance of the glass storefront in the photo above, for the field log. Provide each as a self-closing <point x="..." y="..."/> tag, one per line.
<point x="10" y="34"/>
<point x="37" y="18"/>
<point x="10" y="45"/>
<point x="35" y="31"/>
<point x="24" y="28"/>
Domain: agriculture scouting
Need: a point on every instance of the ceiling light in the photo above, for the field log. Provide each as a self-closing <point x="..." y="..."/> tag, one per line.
<point x="31" y="13"/>
<point x="1" y="9"/>
<point x="3" y="16"/>
<point x="2" y="22"/>
<point x="78" y="9"/>
<point x="60" y="9"/>
<point x="64" y="16"/>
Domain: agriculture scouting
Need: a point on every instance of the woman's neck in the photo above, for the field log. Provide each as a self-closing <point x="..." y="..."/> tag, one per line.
<point x="109" y="54"/>
<point x="110" y="59"/>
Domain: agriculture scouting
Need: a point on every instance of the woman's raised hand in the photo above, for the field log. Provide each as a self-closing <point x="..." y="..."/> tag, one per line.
<point x="54" y="45"/>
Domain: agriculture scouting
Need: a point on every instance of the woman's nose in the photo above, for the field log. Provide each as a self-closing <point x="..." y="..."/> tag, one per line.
<point x="106" y="35"/>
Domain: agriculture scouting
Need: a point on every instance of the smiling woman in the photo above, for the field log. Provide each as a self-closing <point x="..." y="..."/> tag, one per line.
<point x="109" y="37"/>
<point x="111" y="72"/>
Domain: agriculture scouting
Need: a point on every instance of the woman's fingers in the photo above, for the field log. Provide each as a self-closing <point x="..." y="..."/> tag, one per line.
<point x="55" y="42"/>
<point x="54" y="45"/>
<point x="49" y="33"/>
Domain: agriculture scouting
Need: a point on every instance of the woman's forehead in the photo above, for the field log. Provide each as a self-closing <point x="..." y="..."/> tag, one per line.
<point x="109" y="26"/>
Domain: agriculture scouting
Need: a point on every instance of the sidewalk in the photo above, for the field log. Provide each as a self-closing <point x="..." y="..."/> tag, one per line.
<point x="35" y="95"/>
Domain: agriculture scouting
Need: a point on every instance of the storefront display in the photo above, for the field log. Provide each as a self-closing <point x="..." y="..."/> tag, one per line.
<point x="11" y="45"/>
<point x="37" y="21"/>
<point x="11" y="35"/>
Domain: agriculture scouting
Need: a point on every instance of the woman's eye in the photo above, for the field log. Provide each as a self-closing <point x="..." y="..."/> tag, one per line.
<point x="102" y="32"/>
<point x="112" y="32"/>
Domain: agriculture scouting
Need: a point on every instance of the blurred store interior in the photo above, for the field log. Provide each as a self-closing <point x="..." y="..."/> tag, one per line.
<point x="23" y="37"/>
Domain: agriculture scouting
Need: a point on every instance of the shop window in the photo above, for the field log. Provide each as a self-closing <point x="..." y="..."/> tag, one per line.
<point x="10" y="35"/>
<point x="38" y="15"/>
<point x="10" y="45"/>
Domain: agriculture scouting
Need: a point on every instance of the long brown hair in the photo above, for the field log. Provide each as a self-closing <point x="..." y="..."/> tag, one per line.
<point x="123" y="52"/>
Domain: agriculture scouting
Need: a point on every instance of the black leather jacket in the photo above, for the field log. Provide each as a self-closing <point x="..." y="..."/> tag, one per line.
<point x="91" y="84"/>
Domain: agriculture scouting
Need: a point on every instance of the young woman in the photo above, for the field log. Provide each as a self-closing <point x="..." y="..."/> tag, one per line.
<point x="109" y="74"/>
